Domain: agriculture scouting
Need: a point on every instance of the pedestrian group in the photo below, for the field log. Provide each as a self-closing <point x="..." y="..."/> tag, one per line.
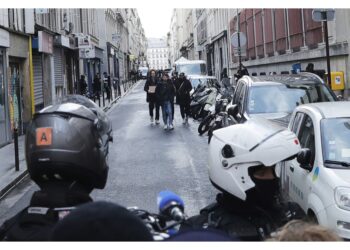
<point x="161" y="91"/>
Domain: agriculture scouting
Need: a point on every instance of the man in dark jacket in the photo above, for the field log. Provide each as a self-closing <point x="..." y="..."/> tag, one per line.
<point x="174" y="79"/>
<point x="183" y="96"/>
<point x="97" y="85"/>
<point x="82" y="85"/>
<point x="165" y="93"/>
<point x="150" y="88"/>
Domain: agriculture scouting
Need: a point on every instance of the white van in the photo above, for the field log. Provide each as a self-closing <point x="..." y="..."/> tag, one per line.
<point x="319" y="179"/>
<point x="190" y="67"/>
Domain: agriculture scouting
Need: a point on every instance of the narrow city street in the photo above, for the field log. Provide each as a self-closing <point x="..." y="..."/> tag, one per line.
<point x="144" y="160"/>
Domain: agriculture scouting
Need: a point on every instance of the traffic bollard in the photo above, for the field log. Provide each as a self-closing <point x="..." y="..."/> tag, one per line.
<point x="16" y="149"/>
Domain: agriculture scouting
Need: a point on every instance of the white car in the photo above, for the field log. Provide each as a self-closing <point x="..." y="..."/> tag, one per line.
<point x="319" y="178"/>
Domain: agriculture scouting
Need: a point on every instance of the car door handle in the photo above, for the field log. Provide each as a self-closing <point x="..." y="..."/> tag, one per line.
<point x="291" y="169"/>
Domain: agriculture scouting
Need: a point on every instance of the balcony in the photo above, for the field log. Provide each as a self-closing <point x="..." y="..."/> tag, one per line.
<point x="120" y="17"/>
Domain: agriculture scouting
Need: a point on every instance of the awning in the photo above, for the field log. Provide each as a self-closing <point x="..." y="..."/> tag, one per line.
<point x="220" y="35"/>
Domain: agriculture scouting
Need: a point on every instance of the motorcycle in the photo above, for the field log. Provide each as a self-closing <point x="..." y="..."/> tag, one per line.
<point x="220" y="215"/>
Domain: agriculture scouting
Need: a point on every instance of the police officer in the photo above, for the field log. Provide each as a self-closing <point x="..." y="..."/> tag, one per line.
<point x="242" y="161"/>
<point x="66" y="152"/>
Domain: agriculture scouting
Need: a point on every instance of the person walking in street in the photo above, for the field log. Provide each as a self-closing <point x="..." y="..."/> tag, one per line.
<point x="107" y="85"/>
<point x="183" y="96"/>
<point x="165" y="93"/>
<point x="97" y="85"/>
<point x="174" y="79"/>
<point x="82" y="85"/>
<point x="150" y="88"/>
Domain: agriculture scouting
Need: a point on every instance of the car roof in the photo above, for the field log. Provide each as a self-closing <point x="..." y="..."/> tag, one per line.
<point x="329" y="109"/>
<point x="190" y="62"/>
<point x="200" y="77"/>
<point x="302" y="78"/>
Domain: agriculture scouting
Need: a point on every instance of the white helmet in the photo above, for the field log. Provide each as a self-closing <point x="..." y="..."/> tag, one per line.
<point x="234" y="149"/>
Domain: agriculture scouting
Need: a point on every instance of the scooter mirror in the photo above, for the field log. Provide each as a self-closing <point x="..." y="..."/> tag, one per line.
<point x="233" y="110"/>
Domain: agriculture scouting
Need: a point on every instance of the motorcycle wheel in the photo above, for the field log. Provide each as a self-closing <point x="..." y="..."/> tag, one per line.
<point x="205" y="124"/>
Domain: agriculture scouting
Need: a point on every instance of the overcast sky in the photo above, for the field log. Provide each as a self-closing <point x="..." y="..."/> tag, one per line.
<point x="156" y="22"/>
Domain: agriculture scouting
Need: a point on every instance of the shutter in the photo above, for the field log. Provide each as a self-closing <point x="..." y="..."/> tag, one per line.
<point x="58" y="65"/>
<point x="268" y="32"/>
<point x="38" y="79"/>
<point x="295" y="28"/>
<point x="280" y="31"/>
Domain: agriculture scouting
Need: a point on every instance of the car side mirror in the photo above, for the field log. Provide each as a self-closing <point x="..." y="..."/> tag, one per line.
<point x="233" y="110"/>
<point x="304" y="159"/>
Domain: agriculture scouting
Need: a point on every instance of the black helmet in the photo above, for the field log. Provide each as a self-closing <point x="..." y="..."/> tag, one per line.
<point x="68" y="142"/>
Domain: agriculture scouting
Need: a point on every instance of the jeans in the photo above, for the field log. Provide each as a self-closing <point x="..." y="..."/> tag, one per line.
<point x="153" y="105"/>
<point x="167" y="113"/>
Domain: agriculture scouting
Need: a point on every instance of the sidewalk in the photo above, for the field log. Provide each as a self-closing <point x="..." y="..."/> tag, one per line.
<point x="9" y="177"/>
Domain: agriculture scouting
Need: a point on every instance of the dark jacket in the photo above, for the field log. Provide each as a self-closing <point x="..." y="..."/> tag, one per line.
<point x="165" y="91"/>
<point x="97" y="84"/>
<point x="35" y="222"/>
<point x="83" y="86"/>
<point x="151" y="97"/>
<point x="183" y="91"/>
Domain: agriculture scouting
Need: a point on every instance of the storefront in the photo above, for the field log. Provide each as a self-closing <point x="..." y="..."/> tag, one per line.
<point x="92" y="57"/>
<point x="19" y="84"/>
<point x="42" y="56"/>
<point x="5" y="132"/>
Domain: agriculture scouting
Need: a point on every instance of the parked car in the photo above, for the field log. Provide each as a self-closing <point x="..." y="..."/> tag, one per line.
<point x="275" y="97"/>
<point x="319" y="179"/>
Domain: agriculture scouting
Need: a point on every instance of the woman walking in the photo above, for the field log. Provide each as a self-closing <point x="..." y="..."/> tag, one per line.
<point x="150" y="88"/>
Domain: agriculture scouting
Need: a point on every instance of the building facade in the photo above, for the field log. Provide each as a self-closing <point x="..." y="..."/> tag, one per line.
<point x="276" y="39"/>
<point x="43" y="53"/>
<point x="158" y="54"/>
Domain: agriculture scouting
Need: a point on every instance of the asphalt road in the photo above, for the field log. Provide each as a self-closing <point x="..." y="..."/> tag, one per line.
<point x="144" y="160"/>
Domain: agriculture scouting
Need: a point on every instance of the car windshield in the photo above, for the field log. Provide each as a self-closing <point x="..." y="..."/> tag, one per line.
<point x="208" y="82"/>
<point x="191" y="69"/>
<point x="284" y="98"/>
<point x="335" y="134"/>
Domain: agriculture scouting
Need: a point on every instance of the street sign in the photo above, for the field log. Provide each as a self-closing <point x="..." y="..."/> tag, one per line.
<point x="242" y="38"/>
<point x="243" y="51"/>
<point x="319" y="15"/>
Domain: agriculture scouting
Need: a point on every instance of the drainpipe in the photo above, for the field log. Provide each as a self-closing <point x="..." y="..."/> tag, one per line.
<point x="31" y="75"/>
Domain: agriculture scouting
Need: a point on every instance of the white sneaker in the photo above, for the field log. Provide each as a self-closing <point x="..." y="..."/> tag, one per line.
<point x="157" y="121"/>
<point x="171" y="127"/>
<point x="165" y="127"/>
<point x="184" y="121"/>
<point x="151" y="119"/>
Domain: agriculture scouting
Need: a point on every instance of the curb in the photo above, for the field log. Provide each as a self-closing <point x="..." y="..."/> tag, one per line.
<point x="13" y="184"/>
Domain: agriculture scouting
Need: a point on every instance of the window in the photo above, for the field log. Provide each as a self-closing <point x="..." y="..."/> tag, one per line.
<point x="306" y="136"/>
<point x="297" y="122"/>
<point x="241" y="99"/>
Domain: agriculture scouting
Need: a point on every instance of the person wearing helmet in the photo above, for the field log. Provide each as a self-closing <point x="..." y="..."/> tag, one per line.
<point x="66" y="150"/>
<point x="241" y="165"/>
